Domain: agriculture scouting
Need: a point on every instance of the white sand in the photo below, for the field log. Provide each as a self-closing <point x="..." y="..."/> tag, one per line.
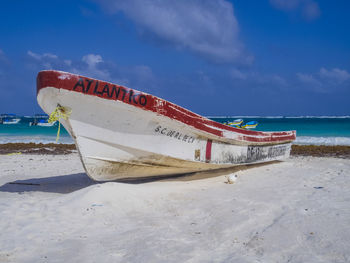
<point x="272" y="213"/>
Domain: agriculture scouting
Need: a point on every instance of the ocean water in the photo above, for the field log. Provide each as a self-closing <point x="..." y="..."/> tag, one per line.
<point x="310" y="130"/>
<point x="23" y="132"/>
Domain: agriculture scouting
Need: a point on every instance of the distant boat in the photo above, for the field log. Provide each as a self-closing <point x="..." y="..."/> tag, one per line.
<point x="124" y="133"/>
<point x="9" y="119"/>
<point x="41" y="120"/>
<point x="236" y="123"/>
<point x="250" y="125"/>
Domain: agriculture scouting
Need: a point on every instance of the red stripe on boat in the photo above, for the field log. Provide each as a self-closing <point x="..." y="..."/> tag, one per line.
<point x="208" y="151"/>
<point x="106" y="90"/>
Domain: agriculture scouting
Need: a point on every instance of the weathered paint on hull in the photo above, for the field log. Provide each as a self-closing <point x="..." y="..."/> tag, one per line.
<point x="121" y="139"/>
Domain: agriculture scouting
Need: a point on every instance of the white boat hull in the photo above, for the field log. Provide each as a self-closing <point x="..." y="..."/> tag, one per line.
<point x="42" y="124"/>
<point x="13" y="121"/>
<point x="118" y="140"/>
<point x="46" y="124"/>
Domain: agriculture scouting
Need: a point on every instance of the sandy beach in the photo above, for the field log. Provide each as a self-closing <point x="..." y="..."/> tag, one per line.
<point x="292" y="211"/>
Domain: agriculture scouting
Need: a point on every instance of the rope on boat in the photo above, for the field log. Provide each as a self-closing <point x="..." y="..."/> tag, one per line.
<point x="59" y="113"/>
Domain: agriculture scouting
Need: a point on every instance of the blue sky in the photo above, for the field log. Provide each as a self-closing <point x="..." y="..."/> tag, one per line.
<point x="214" y="57"/>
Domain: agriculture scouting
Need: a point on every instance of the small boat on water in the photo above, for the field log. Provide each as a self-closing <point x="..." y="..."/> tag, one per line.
<point x="250" y="125"/>
<point x="235" y="123"/>
<point x="41" y="120"/>
<point x="9" y="119"/>
<point x="239" y="124"/>
<point x="124" y="133"/>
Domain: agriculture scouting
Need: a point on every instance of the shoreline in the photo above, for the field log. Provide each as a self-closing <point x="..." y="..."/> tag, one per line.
<point x="37" y="148"/>
<point x="337" y="151"/>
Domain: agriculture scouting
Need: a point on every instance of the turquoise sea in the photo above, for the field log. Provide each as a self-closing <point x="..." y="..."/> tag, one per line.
<point x="23" y="132"/>
<point x="320" y="130"/>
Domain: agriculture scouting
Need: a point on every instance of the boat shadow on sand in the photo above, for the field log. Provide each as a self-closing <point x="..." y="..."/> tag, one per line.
<point x="62" y="184"/>
<point x="65" y="184"/>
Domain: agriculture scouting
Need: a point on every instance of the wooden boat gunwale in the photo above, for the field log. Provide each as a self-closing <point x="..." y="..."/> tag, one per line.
<point x="104" y="89"/>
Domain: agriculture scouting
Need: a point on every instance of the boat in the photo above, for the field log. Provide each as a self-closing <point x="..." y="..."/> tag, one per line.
<point x="41" y="120"/>
<point x="123" y="133"/>
<point x="9" y="119"/>
<point x="250" y="125"/>
<point x="235" y="123"/>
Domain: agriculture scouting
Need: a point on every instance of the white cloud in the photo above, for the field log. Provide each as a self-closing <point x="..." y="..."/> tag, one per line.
<point x="258" y="78"/>
<point x="40" y="57"/>
<point x="92" y="61"/>
<point x="68" y="62"/>
<point x="311" y="10"/>
<point x="308" y="8"/>
<point x="89" y="64"/>
<point x="49" y="55"/>
<point x="34" y="55"/>
<point x="308" y="79"/>
<point x="273" y="79"/>
<point x="326" y="80"/>
<point x="336" y="74"/>
<point x="236" y="74"/>
<point x="93" y="65"/>
<point x="3" y="56"/>
<point x="208" y="28"/>
<point x="203" y="77"/>
<point x="46" y="60"/>
<point x="278" y="80"/>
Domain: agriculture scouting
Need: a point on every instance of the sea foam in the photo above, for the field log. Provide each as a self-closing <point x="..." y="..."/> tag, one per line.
<point x="35" y="139"/>
<point x="308" y="140"/>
